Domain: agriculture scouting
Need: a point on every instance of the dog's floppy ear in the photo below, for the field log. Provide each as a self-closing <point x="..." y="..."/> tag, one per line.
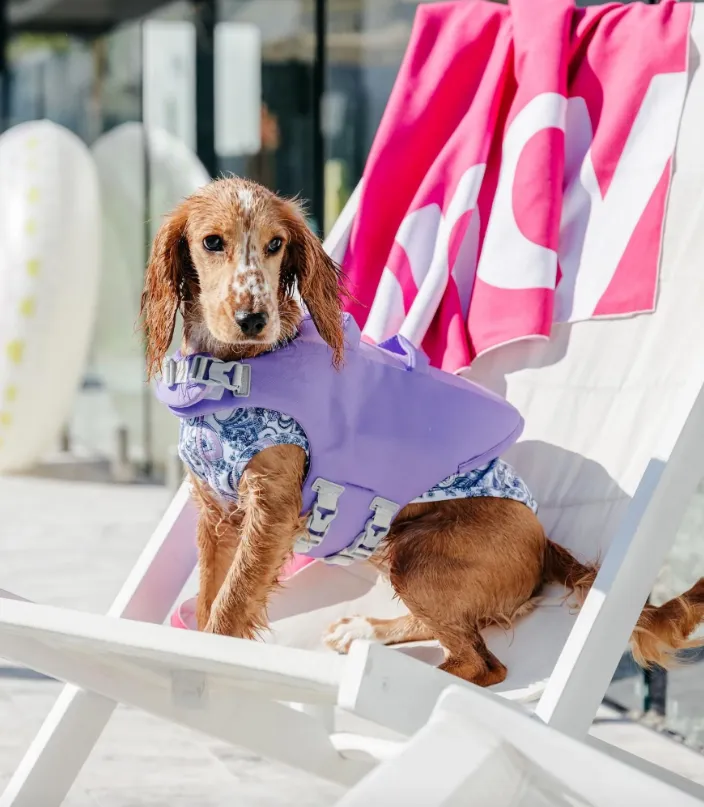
<point x="319" y="282"/>
<point x="165" y="287"/>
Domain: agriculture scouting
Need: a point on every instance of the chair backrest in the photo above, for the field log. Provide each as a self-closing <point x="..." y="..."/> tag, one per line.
<point x="602" y="398"/>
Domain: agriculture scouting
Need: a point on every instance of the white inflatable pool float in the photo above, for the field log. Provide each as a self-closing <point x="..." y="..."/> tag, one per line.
<point x="49" y="272"/>
<point x="117" y="354"/>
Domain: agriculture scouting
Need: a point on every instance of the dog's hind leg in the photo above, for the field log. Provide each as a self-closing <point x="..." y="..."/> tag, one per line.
<point x="342" y="633"/>
<point x="466" y="656"/>
<point x="461" y="565"/>
<point x="472" y="660"/>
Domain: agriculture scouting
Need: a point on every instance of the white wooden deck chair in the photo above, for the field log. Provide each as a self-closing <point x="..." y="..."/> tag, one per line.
<point x="612" y="451"/>
<point x="479" y="750"/>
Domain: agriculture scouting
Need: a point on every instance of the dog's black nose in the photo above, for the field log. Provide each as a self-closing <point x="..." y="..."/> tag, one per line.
<point x="252" y="323"/>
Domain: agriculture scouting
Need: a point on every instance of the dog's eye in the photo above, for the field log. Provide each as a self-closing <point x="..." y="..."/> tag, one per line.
<point x="273" y="246"/>
<point x="213" y="243"/>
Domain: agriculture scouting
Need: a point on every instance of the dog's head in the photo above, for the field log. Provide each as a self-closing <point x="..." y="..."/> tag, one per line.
<point x="230" y="258"/>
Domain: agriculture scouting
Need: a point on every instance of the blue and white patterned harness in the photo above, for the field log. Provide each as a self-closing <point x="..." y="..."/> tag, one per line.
<point x="217" y="448"/>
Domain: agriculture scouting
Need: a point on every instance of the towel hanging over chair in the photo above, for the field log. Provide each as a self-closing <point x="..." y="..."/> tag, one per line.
<point x="520" y="173"/>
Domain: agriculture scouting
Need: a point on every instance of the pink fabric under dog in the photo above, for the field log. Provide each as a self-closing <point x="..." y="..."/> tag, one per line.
<point x="184" y="616"/>
<point x="520" y="173"/>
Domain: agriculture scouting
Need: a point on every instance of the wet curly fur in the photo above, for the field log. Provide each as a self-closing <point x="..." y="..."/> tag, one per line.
<point x="457" y="565"/>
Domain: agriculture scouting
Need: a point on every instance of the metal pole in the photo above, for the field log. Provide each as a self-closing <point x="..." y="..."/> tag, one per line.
<point x="4" y="66"/>
<point x="655" y="691"/>
<point x="319" y="71"/>
<point x="147" y="402"/>
<point x="205" y="19"/>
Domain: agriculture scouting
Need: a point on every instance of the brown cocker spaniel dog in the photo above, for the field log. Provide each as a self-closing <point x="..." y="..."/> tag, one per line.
<point x="230" y="259"/>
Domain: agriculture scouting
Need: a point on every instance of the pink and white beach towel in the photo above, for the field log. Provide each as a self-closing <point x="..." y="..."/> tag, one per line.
<point x="520" y="173"/>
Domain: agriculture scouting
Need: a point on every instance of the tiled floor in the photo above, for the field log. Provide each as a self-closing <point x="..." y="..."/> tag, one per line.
<point x="71" y="544"/>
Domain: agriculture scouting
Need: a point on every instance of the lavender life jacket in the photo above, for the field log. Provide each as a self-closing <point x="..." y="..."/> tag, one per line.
<point x="383" y="430"/>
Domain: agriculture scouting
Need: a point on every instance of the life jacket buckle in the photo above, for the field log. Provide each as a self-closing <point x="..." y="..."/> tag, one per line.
<point x="232" y="375"/>
<point x="375" y="531"/>
<point x="321" y="515"/>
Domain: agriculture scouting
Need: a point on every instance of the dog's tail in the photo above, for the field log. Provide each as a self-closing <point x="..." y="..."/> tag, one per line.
<point x="661" y="631"/>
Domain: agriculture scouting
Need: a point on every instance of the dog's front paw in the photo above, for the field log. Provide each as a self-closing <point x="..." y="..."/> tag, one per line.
<point x="218" y="626"/>
<point x="224" y="627"/>
<point x="340" y="635"/>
